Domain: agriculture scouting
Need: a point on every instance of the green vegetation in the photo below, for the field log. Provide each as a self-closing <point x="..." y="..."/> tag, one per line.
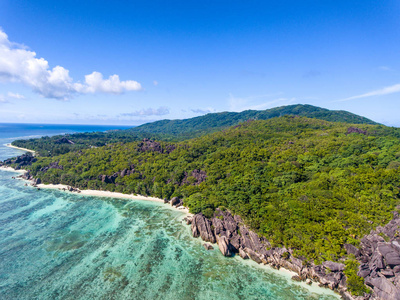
<point x="179" y="130"/>
<point x="195" y="127"/>
<point x="355" y="283"/>
<point x="303" y="183"/>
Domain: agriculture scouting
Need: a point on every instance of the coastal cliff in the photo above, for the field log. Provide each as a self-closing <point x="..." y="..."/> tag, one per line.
<point x="378" y="256"/>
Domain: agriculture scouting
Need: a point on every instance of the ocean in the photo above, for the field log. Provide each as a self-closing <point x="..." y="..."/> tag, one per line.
<point x="58" y="245"/>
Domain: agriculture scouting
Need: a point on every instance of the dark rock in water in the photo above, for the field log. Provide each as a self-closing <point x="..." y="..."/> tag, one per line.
<point x="243" y="254"/>
<point x="166" y="201"/>
<point x="254" y="256"/>
<point x="296" y="278"/>
<point x="208" y="246"/>
<point x="188" y="220"/>
<point x="224" y="245"/>
<point x="36" y="181"/>
<point x="235" y="242"/>
<point x="201" y="227"/>
<point x="72" y="189"/>
<point x="176" y="202"/>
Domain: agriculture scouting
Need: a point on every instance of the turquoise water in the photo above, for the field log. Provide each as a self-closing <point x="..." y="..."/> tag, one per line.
<point x="57" y="245"/>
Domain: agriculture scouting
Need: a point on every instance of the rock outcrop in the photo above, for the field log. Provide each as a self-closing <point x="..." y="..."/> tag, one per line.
<point x="53" y="165"/>
<point x="201" y="226"/>
<point x="176" y="202"/>
<point x="23" y="160"/>
<point x="153" y="146"/>
<point x="355" y="130"/>
<point x="379" y="259"/>
<point x="64" y="140"/>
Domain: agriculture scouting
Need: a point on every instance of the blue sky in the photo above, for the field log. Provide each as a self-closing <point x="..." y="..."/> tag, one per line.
<point x="131" y="62"/>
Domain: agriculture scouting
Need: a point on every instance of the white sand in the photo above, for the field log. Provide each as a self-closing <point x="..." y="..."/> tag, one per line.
<point x="12" y="169"/>
<point x="110" y="195"/>
<point x="96" y="193"/>
<point x="23" y="149"/>
<point x="285" y="272"/>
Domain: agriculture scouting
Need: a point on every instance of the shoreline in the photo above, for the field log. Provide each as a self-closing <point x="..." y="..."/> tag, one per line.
<point x="108" y="194"/>
<point x="98" y="193"/>
<point x="287" y="273"/>
<point x="10" y="169"/>
<point x="19" y="148"/>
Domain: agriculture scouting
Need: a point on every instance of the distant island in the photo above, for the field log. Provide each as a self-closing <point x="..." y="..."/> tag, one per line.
<point x="300" y="187"/>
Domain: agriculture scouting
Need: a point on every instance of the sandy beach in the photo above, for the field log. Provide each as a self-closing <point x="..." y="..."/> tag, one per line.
<point x="12" y="169"/>
<point x="108" y="194"/>
<point x="287" y="273"/>
<point x="96" y="193"/>
<point x="23" y="149"/>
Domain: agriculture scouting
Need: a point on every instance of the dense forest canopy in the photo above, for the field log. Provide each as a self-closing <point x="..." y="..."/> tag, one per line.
<point x="179" y="130"/>
<point x="307" y="184"/>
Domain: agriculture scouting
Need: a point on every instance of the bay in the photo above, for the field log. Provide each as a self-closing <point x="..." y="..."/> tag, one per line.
<point x="57" y="245"/>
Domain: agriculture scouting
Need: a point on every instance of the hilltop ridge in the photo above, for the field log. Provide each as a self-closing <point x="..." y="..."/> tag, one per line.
<point x="180" y="130"/>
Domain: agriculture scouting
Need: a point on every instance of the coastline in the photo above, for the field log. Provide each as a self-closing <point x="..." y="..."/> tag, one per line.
<point x="97" y="193"/>
<point x="287" y="273"/>
<point x="108" y="194"/>
<point x="19" y="148"/>
<point x="12" y="169"/>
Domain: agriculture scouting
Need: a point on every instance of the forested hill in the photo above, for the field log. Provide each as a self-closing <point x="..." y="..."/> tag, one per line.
<point x="194" y="127"/>
<point x="179" y="130"/>
<point x="307" y="184"/>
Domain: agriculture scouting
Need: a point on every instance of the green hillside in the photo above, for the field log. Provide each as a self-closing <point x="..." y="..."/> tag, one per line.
<point x="307" y="184"/>
<point x="179" y="130"/>
<point x="194" y="127"/>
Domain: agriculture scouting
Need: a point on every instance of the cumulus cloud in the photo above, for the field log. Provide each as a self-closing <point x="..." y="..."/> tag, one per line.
<point x="380" y="92"/>
<point x="15" y="95"/>
<point x="148" y="112"/>
<point x="17" y="64"/>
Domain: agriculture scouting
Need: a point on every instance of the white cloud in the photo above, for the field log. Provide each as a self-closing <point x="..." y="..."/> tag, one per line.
<point x="253" y="102"/>
<point x="155" y="82"/>
<point x="18" y="64"/>
<point x="384" y="91"/>
<point x="3" y="99"/>
<point x="148" y="112"/>
<point x="15" y="95"/>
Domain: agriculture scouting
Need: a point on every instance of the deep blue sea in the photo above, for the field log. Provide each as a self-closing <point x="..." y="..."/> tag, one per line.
<point x="58" y="245"/>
